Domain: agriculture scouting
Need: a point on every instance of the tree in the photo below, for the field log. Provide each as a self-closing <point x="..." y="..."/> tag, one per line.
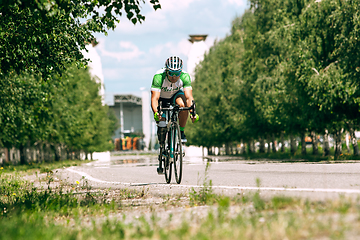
<point x="23" y="111"/>
<point x="328" y="64"/>
<point x="65" y="114"/>
<point x="43" y="37"/>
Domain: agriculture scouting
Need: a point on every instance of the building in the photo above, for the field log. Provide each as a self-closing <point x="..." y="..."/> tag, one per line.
<point x="128" y="109"/>
<point x="133" y="114"/>
<point x="95" y="67"/>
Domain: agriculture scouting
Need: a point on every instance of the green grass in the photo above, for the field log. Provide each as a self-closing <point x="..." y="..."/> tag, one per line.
<point x="43" y="167"/>
<point x="308" y="157"/>
<point x="298" y="157"/>
<point x="76" y="211"/>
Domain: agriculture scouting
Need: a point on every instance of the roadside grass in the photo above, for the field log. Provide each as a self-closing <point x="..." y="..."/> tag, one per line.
<point x="41" y="167"/>
<point x="298" y="157"/>
<point x="76" y="211"/>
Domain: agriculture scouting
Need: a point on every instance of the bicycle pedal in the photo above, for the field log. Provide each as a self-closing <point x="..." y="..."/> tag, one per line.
<point x="160" y="171"/>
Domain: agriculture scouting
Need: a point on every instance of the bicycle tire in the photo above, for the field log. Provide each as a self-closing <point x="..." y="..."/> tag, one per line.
<point x="178" y="152"/>
<point x="167" y="164"/>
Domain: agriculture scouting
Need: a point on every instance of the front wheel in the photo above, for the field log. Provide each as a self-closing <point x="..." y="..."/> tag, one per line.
<point x="178" y="153"/>
<point x="166" y="161"/>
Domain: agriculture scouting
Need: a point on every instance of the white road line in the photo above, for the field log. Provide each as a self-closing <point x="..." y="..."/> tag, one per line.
<point x="327" y="190"/>
<point x="88" y="177"/>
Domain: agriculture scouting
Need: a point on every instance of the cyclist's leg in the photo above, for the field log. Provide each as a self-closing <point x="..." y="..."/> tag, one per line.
<point x="161" y="131"/>
<point x="179" y="99"/>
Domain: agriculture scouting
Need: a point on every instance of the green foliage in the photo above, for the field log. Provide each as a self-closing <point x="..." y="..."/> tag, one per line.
<point x="23" y="110"/>
<point x="216" y="89"/>
<point x="66" y="111"/>
<point x="286" y="68"/>
<point x="80" y="119"/>
<point x="44" y="37"/>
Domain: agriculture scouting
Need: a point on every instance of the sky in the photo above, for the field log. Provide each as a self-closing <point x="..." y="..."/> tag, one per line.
<point x="131" y="54"/>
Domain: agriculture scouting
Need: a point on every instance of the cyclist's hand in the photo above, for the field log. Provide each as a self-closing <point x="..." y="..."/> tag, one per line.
<point x="195" y="118"/>
<point x="157" y="117"/>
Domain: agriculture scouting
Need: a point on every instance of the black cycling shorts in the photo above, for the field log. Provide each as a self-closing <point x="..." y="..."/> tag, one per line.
<point x="171" y="101"/>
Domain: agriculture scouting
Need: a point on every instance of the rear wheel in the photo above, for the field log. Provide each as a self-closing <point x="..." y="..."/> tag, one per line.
<point x="178" y="153"/>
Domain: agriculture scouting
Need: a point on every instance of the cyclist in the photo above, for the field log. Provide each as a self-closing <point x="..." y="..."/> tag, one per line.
<point x="172" y="85"/>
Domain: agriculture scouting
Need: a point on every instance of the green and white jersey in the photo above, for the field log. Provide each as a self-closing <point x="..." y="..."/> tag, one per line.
<point x="166" y="88"/>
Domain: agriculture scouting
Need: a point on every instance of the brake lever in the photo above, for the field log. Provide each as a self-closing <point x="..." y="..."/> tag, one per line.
<point x="193" y="113"/>
<point x="159" y="108"/>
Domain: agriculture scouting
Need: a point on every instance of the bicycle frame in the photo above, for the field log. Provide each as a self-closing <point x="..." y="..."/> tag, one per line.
<point x="172" y="115"/>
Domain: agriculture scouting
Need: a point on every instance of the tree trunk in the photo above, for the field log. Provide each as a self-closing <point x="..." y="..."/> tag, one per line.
<point x="48" y="157"/>
<point x="314" y="143"/>
<point x="54" y="148"/>
<point x="22" y="155"/>
<point x="347" y="140"/>
<point x="326" y="144"/>
<point x="243" y="147"/>
<point x="268" y="139"/>
<point x="262" y="145"/>
<point x="249" y="147"/>
<point x="210" y="151"/>
<point x="68" y="153"/>
<point x="338" y="146"/>
<point x="292" y="144"/>
<point x="303" y="144"/>
<point x="227" y="148"/>
<point x="39" y="152"/>
<point x="7" y="158"/>
<point x="273" y="143"/>
<point x="282" y="142"/>
<point x="353" y="141"/>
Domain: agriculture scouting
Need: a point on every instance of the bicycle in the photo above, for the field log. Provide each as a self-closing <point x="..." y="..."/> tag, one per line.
<point x="171" y="151"/>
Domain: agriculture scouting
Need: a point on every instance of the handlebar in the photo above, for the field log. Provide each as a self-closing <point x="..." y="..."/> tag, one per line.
<point x="177" y="109"/>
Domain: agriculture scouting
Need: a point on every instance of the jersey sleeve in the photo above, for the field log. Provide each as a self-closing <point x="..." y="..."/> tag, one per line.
<point x="156" y="83"/>
<point x="185" y="77"/>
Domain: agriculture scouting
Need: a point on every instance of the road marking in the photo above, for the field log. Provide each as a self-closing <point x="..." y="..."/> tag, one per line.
<point x="327" y="190"/>
<point x="88" y="177"/>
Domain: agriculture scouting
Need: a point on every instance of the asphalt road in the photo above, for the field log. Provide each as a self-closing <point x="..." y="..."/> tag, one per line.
<point x="229" y="176"/>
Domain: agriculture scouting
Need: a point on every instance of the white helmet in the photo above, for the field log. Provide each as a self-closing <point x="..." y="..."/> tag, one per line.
<point x="174" y="63"/>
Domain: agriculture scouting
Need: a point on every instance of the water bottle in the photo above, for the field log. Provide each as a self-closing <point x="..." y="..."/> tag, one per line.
<point x="162" y="124"/>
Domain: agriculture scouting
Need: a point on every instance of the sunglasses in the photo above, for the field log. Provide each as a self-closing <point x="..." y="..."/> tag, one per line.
<point x="174" y="74"/>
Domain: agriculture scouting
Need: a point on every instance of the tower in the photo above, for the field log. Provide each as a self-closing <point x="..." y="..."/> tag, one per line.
<point x="196" y="53"/>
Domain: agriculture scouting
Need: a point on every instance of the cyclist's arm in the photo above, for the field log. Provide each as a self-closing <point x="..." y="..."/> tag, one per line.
<point x="189" y="96"/>
<point x="187" y="89"/>
<point x="156" y="90"/>
<point x="155" y="95"/>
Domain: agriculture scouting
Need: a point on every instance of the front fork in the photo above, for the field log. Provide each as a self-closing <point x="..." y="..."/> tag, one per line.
<point x="172" y="135"/>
